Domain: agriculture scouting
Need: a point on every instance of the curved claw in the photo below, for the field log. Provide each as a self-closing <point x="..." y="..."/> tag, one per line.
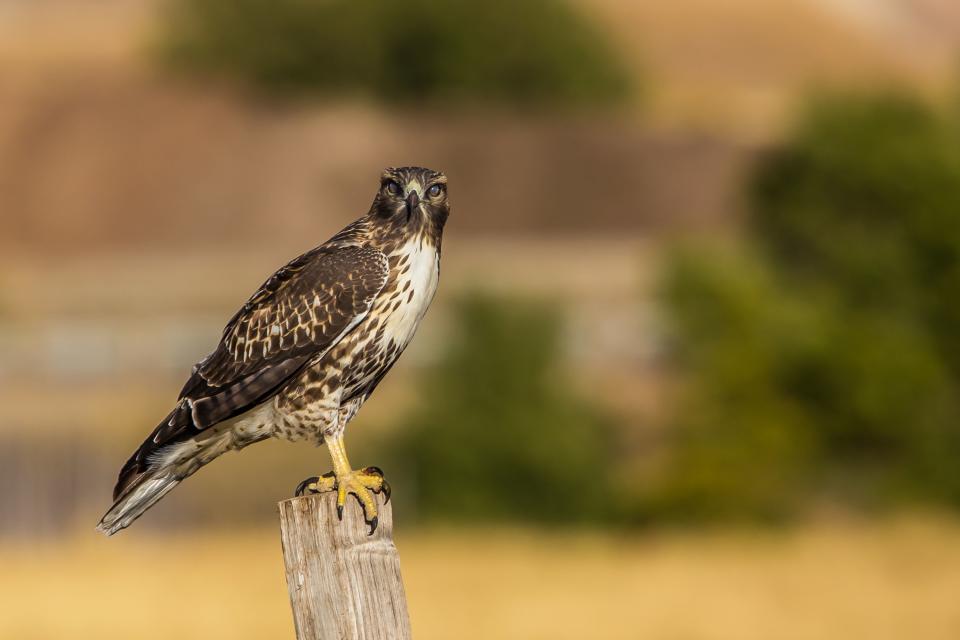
<point x="304" y="484"/>
<point x="358" y="484"/>
<point x="384" y="485"/>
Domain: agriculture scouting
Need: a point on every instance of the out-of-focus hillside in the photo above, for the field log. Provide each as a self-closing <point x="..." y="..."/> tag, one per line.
<point x="96" y="150"/>
<point x="104" y="162"/>
<point x="739" y="66"/>
<point x="734" y="64"/>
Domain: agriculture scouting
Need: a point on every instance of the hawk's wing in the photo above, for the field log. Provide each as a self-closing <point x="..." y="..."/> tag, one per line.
<point x="298" y="314"/>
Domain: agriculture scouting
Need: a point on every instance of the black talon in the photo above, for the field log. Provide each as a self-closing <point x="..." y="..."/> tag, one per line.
<point x="387" y="491"/>
<point x="374" y="521"/>
<point x="340" y="512"/>
<point x="377" y="470"/>
<point x="303" y="485"/>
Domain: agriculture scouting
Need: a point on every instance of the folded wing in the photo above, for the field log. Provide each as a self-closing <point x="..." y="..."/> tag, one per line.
<point x="298" y="314"/>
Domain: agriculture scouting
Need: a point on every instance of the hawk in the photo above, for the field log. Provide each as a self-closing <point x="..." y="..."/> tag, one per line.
<point x="304" y="353"/>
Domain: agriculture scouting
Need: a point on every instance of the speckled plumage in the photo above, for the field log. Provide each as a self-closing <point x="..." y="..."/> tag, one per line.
<point x="300" y="358"/>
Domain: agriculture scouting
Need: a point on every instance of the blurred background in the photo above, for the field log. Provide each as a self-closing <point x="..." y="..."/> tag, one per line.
<point x="693" y="371"/>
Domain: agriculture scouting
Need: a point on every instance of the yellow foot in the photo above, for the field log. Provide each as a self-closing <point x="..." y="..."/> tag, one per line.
<point x="359" y="483"/>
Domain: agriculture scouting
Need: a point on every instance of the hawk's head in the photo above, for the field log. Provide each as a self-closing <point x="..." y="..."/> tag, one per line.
<point x="412" y="196"/>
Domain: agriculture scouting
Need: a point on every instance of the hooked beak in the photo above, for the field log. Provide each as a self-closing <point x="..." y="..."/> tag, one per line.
<point x="413" y="201"/>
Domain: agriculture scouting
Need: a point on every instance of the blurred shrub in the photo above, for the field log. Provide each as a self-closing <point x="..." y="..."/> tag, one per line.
<point x="497" y="51"/>
<point x="501" y="434"/>
<point x="866" y="201"/>
<point x="741" y="446"/>
<point x="827" y="367"/>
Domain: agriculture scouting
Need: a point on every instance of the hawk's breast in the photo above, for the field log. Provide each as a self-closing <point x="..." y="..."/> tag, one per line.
<point x="418" y="273"/>
<point x="388" y="329"/>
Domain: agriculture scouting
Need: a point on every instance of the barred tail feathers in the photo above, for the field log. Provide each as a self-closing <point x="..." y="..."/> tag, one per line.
<point x="145" y="492"/>
<point x="161" y="463"/>
<point x="138" y="490"/>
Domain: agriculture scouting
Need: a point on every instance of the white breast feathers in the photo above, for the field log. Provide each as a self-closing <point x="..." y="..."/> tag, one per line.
<point x="423" y="274"/>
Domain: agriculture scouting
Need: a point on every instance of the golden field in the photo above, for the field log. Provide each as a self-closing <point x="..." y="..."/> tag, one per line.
<point x="889" y="581"/>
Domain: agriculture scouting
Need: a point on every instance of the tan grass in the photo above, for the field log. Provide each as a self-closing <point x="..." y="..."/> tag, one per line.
<point x="893" y="581"/>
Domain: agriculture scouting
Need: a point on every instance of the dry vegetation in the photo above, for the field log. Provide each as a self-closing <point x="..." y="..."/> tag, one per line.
<point x="883" y="582"/>
<point x="733" y="65"/>
<point x="739" y="65"/>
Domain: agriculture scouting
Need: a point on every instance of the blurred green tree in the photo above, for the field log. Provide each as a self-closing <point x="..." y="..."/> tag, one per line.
<point x="517" y="52"/>
<point x="740" y="447"/>
<point x="826" y="365"/>
<point x="502" y="435"/>
<point x="865" y="200"/>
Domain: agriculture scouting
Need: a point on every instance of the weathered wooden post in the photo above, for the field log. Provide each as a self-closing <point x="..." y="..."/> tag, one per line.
<point x="343" y="584"/>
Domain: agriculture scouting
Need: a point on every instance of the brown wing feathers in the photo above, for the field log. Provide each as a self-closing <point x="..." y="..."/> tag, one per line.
<point x="298" y="314"/>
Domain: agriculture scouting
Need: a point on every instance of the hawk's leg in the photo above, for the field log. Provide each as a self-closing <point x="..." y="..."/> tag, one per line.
<point x="345" y="480"/>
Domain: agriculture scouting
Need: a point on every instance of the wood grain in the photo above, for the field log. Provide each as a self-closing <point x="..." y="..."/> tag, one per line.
<point x="343" y="583"/>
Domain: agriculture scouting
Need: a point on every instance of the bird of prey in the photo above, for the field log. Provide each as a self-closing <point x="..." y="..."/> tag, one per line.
<point x="300" y="358"/>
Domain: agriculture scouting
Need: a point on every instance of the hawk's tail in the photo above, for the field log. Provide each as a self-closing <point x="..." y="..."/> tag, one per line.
<point x="165" y="459"/>
<point x="143" y="484"/>
<point x="142" y="494"/>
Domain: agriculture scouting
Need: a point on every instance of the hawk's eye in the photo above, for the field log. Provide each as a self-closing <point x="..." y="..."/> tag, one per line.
<point x="393" y="188"/>
<point x="435" y="190"/>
